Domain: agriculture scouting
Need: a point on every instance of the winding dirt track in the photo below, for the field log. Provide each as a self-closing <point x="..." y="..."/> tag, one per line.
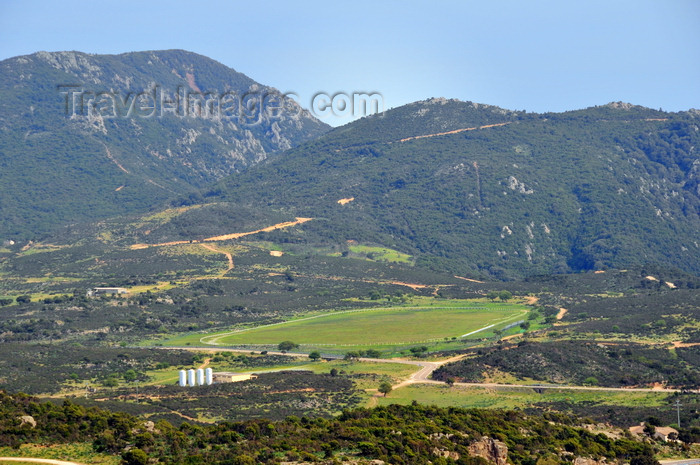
<point x="226" y="237"/>
<point x="228" y="255"/>
<point x="28" y="459"/>
<point x="454" y="131"/>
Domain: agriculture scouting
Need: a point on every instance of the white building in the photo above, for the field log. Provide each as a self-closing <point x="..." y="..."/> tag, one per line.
<point x="95" y="291"/>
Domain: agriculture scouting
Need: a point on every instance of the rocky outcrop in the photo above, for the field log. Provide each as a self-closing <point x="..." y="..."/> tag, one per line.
<point x="346" y="462"/>
<point x="490" y="449"/>
<point x="587" y="461"/>
<point x="448" y="454"/>
<point x="27" y="420"/>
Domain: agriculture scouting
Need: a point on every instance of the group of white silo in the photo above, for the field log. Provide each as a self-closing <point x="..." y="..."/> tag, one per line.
<point x="197" y="377"/>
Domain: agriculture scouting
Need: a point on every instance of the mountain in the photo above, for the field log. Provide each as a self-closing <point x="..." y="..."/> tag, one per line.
<point x="85" y="137"/>
<point x="478" y="189"/>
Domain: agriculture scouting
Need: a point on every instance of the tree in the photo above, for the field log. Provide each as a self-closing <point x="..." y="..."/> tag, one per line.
<point x="287" y="346"/>
<point x="243" y="459"/>
<point x="450" y="382"/>
<point x="334" y="372"/>
<point x="111" y="382"/>
<point x="649" y="430"/>
<point x="385" y="388"/>
<point x="130" y="375"/>
<point x="315" y="355"/>
<point x="135" y="456"/>
<point x="505" y="296"/>
<point x="23" y="299"/>
<point x="352" y="355"/>
<point x="493" y="295"/>
<point x="644" y="459"/>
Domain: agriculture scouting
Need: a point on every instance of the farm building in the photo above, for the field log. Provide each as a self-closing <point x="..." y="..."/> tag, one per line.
<point x="662" y="433"/>
<point x="96" y="291"/>
<point x="229" y="377"/>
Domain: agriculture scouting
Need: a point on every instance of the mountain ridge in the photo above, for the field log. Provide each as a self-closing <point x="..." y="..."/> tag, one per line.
<point x="79" y="138"/>
<point x="587" y="189"/>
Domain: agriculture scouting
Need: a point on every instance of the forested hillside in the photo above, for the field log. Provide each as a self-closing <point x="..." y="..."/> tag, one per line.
<point x="395" y="434"/>
<point x="482" y="190"/>
<point x="85" y="137"/>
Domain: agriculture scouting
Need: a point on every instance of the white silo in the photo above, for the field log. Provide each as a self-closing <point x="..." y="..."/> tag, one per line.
<point x="209" y="374"/>
<point x="183" y="378"/>
<point x="190" y="377"/>
<point x="200" y="377"/>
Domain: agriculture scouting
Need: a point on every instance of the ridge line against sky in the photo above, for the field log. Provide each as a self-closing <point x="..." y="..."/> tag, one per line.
<point x="537" y="56"/>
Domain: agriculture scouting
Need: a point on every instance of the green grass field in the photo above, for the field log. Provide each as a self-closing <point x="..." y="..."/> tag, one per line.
<point x="509" y="398"/>
<point x="381" y="254"/>
<point x="382" y="327"/>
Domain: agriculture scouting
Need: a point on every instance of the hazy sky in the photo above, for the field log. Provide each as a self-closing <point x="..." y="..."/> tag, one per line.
<point x="522" y="55"/>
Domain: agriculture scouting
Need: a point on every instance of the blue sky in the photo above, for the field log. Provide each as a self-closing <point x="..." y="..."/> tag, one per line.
<point x="522" y="55"/>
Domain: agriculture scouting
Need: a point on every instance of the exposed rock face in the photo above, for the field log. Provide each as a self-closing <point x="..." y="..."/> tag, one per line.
<point x="586" y="461"/>
<point x="28" y="420"/>
<point x="86" y="114"/>
<point x="490" y="449"/>
<point x="446" y="453"/>
<point x="348" y="462"/>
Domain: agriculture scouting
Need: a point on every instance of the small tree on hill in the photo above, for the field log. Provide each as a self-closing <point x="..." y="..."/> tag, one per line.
<point x="287" y="346"/>
<point x="493" y="295"/>
<point x="505" y="296"/>
<point x="644" y="459"/>
<point x="385" y="388"/>
<point x="315" y="355"/>
<point x="111" y="382"/>
<point x="135" y="456"/>
<point x="649" y="430"/>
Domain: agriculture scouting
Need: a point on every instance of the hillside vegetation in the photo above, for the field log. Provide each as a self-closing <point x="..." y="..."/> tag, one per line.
<point x="605" y="187"/>
<point x="395" y="434"/>
<point x="82" y="139"/>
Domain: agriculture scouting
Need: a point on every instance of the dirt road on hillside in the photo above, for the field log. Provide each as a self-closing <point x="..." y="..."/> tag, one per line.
<point x="226" y="237"/>
<point x="33" y="460"/>
<point x="228" y="255"/>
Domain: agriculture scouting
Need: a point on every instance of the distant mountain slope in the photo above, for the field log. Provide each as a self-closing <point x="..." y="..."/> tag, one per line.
<point x="78" y="142"/>
<point x="491" y="191"/>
